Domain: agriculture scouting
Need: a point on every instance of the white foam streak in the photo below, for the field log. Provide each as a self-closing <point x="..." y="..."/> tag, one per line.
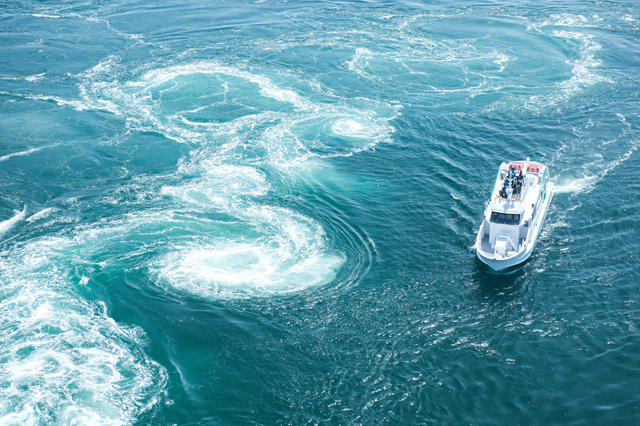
<point x="134" y="101"/>
<point x="21" y="153"/>
<point x="43" y="15"/>
<point x="588" y="182"/>
<point x="34" y="78"/>
<point x="41" y="214"/>
<point x="6" y="225"/>
<point x="583" y="74"/>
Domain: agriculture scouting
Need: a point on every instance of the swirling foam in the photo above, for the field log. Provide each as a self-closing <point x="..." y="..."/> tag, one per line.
<point x="63" y="360"/>
<point x="289" y="254"/>
<point x="228" y="104"/>
<point x="268" y="249"/>
<point x="241" y="121"/>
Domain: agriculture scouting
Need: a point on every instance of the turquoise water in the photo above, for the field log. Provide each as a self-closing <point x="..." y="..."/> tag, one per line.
<point x="264" y="213"/>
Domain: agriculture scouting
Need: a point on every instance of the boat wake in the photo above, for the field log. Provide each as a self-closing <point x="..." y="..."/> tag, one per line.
<point x="592" y="173"/>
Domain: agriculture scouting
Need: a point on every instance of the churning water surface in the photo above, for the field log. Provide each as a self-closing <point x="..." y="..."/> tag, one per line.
<point x="263" y="212"/>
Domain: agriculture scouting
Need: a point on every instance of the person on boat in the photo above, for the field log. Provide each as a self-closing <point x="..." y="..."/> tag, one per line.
<point x="514" y="189"/>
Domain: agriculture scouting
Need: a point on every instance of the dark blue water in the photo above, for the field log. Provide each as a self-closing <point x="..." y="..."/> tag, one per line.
<point x="264" y="213"/>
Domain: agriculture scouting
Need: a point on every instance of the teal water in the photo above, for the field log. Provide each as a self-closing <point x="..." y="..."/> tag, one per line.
<point x="264" y="213"/>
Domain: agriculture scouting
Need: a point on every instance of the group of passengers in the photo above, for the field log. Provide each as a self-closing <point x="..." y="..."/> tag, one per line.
<point x="514" y="180"/>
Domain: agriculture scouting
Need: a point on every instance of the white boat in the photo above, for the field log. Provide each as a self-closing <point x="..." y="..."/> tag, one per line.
<point x="512" y="221"/>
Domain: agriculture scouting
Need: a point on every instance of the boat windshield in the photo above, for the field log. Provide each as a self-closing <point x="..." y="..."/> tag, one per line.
<point x="505" y="218"/>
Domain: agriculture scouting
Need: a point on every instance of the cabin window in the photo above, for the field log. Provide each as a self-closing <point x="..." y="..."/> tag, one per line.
<point x="505" y="218"/>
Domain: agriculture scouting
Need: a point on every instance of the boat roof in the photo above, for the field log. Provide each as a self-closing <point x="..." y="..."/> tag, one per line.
<point x="507" y="206"/>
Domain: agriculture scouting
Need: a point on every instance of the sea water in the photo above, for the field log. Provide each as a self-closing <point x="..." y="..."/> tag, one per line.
<point x="264" y="212"/>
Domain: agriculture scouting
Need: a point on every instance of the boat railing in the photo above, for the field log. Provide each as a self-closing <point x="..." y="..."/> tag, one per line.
<point x="529" y="232"/>
<point x="479" y="236"/>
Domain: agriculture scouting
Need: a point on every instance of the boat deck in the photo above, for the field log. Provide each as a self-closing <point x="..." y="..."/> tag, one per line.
<point x="486" y="246"/>
<point x="529" y="192"/>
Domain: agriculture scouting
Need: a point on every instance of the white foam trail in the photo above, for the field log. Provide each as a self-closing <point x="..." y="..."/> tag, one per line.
<point x="41" y="214"/>
<point x="34" y="78"/>
<point x="42" y="15"/>
<point x="583" y="68"/>
<point x="6" y="225"/>
<point x="282" y="137"/>
<point x="63" y="360"/>
<point x="575" y="186"/>
<point x="55" y="14"/>
<point x="21" y="153"/>
<point x="589" y="181"/>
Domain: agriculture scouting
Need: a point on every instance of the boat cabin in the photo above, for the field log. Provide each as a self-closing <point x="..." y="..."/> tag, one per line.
<point x="505" y="230"/>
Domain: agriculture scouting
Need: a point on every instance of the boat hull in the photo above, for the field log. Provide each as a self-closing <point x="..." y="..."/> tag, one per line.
<point x="500" y="264"/>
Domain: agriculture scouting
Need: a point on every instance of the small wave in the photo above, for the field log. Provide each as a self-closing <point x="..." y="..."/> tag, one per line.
<point x="34" y="78"/>
<point x="41" y="214"/>
<point x="44" y="15"/>
<point x="6" y="225"/>
<point x="21" y="153"/>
